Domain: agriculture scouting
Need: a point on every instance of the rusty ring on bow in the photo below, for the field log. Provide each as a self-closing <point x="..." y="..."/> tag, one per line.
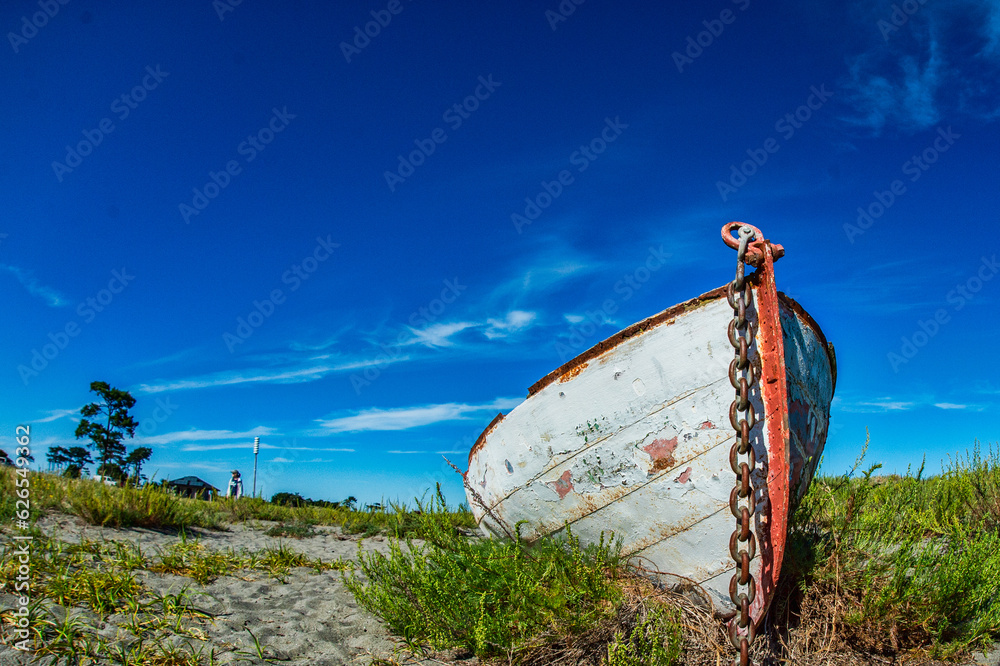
<point x="755" y="252"/>
<point x="733" y="242"/>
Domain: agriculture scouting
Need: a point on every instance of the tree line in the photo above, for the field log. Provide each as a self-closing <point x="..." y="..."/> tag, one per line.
<point x="295" y="499"/>
<point x="106" y="423"/>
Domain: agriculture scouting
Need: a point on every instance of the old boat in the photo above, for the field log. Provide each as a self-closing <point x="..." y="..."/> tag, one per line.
<point x="640" y="436"/>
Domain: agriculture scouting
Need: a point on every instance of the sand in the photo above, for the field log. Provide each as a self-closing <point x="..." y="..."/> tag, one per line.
<point x="310" y="619"/>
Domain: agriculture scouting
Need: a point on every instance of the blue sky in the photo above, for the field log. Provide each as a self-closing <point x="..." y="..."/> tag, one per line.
<point x="261" y="220"/>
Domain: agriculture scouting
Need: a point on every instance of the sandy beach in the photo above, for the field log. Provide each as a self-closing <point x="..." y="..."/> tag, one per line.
<point x="310" y="619"/>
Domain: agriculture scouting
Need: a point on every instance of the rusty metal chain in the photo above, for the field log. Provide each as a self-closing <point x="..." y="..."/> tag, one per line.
<point x="742" y="543"/>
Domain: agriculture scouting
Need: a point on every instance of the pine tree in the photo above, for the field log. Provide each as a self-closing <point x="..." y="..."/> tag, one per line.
<point x="107" y="437"/>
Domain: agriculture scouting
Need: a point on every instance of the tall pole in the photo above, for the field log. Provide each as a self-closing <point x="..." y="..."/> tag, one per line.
<point x="256" y="450"/>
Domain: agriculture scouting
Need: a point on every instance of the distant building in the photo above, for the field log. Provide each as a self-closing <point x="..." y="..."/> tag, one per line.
<point x="193" y="487"/>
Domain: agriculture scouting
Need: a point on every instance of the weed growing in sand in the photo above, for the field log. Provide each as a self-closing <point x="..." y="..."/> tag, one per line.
<point x="257" y="654"/>
<point x="295" y="530"/>
<point x="68" y="637"/>
<point x="191" y="558"/>
<point x="103" y="592"/>
<point x="645" y="646"/>
<point x="488" y="596"/>
<point x="75" y="574"/>
<point x="901" y="563"/>
<point x="500" y="597"/>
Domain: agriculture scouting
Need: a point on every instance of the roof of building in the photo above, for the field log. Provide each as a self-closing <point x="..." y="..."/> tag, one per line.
<point x="191" y="481"/>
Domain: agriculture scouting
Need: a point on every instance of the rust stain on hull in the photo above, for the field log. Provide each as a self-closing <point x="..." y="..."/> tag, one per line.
<point x="661" y="452"/>
<point x="482" y="438"/>
<point x="572" y="372"/>
<point x="563" y="485"/>
<point x="591" y="505"/>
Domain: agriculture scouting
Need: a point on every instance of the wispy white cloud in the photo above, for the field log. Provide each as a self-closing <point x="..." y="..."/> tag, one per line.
<point x="218" y="468"/>
<point x="547" y="272"/>
<point x="241" y="445"/>
<point x="291" y="461"/>
<point x="598" y="319"/>
<point x="312" y="448"/>
<point x="473" y="325"/>
<point x="239" y="377"/>
<point x="905" y="99"/>
<point x="328" y="339"/>
<point x="37" y="444"/>
<point x="219" y="447"/>
<point x="164" y="360"/>
<point x="447" y="334"/>
<point x="27" y="279"/>
<point x="404" y="418"/>
<point x="319" y="346"/>
<point x="56" y="414"/>
<point x="876" y="405"/>
<point x="440" y="334"/>
<point x="514" y="322"/>
<point x="889" y="404"/>
<point x="263" y="376"/>
<point x="193" y="435"/>
<point x="942" y="63"/>
<point x="512" y="308"/>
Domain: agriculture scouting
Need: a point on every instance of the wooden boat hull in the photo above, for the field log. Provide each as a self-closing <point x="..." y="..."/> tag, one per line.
<point x="633" y="437"/>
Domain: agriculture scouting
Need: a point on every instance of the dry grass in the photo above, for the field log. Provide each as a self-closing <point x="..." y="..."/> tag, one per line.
<point x="640" y="600"/>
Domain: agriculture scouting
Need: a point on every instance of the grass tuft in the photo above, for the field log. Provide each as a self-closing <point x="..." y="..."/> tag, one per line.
<point x="506" y="598"/>
<point x="899" y="564"/>
<point x="295" y="531"/>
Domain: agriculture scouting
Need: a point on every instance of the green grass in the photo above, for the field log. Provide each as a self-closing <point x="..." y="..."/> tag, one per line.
<point x="912" y="563"/>
<point x="503" y="598"/>
<point x="154" y="507"/>
<point x="488" y="596"/>
<point x="653" y="641"/>
<point x="294" y="530"/>
<point x="896" y="565"/>
<point x="902" y="567"/>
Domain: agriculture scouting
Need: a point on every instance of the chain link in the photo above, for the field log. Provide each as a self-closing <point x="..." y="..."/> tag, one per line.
<point x="743" y="377"/>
